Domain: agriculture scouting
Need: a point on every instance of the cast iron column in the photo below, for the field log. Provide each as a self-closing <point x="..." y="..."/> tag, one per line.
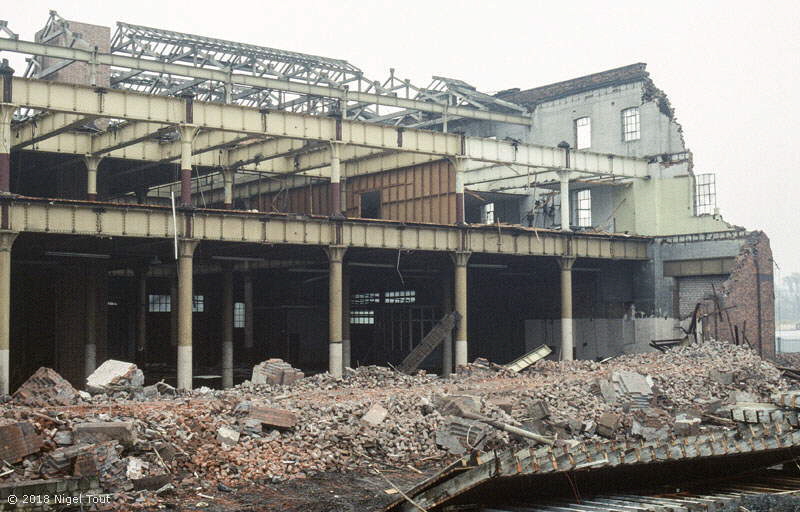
<point x="6" y="113"/>
<point x="460" y="259"/>
<point x="185" y="294"/>
<point x="336" y="176"/>
<point x="447" y="307"/>
<point x="6" y="241"/>
<point x="346" y="360"/>
<point x="567" y="341"/>
<point x="90" y="360"/>
<point x="187" y="135"/>
<point x="460" y="165"/>
<point x="227" y="329"/>
<point x="92" y="163"/>
<point x="335" y="256"/>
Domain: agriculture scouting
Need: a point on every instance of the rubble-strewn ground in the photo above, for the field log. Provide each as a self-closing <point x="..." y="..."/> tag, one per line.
<point x="332" y="459"/>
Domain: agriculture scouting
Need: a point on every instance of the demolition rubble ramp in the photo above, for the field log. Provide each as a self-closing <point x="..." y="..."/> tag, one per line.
<point x="470" y="472"/>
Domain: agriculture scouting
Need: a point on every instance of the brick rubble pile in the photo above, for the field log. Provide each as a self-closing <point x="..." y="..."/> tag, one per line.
<point x="147" y="443"/>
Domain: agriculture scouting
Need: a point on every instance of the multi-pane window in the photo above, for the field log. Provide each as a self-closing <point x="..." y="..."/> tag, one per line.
<point x="583" y="133"/>
<point x="238" y="315"/>
<point x="488" y="213"/>
<point x="198" y="303"/>
<point x="705" y="194"/>
<point x="360" y="299"/>
<point x="630" y="124"/>
<point x="159" y="303"/>
<point x="401" y="297"/>
<point x="362" y="316"/>
<point x="584" y="207"/>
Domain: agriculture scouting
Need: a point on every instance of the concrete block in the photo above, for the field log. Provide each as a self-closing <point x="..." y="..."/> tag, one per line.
<point x="724" y="378"/>
<point x="113" y="375"/>
<point x="538" y="410"/>
<point x="97" y="432"/>
<point x="456" y="405"/>
<point x="227" y="436"/>
<point x="607" y="425"/>
<point x="375" y="415"/>
<point x="275" y="372"/>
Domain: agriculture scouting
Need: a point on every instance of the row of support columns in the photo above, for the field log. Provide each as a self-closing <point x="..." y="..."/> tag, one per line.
<point x="339" y="338"/>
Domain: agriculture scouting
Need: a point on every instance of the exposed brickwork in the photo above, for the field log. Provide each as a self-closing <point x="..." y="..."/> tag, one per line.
<point x="78" y="72"/>
<point x="748" y="299"/>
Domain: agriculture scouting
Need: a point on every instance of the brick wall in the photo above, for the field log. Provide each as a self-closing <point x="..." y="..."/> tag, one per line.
<point x="747" y="299"/>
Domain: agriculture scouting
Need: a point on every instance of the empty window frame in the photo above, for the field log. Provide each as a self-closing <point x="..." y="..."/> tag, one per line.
<point x="583" y="133"/>
<point x="362" y="317"/>
<point x="488" y="213"/>
<point x="401" y="297"/>
<point x="238" y="315"/>
<point x="198" y="303"/>
<point x="583" y="203"/>
<point x="371" y="205"/>
<point x="705" y="194"/>
<point x="159" y="303"/>
<point x="630" y="124"/>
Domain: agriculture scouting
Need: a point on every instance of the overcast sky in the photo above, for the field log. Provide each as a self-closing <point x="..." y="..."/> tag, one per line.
<point x="731" y="69"/>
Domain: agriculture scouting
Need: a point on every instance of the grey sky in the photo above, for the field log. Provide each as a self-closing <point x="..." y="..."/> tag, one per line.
<point x="731" y="69"/>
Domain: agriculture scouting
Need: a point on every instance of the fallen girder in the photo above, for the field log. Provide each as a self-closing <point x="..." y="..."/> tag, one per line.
<point x="771" y="443"/>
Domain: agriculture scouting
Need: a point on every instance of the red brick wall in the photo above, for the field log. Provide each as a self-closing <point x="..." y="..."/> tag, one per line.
<point x="748" y="299"/>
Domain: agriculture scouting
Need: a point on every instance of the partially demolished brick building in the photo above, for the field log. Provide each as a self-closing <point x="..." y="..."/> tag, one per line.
<point x="197" y="205"/>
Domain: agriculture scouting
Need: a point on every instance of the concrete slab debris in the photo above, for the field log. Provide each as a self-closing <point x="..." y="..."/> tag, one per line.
<point x="375" y="415"/>
<point x="528" y="359"/>
<point x="633" y="388"/>
<point x="227" y="436"/>
<point x="607" y="425"/>
<point x="459" y="435"/>
<point x="97" y="432"/>
<point x="114" y="375"/>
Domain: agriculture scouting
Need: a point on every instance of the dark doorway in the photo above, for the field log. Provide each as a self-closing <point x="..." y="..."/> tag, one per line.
<point x="371" y="205"/>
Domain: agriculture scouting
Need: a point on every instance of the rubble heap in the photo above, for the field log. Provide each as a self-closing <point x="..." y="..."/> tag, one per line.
<point x="150" y="443"/>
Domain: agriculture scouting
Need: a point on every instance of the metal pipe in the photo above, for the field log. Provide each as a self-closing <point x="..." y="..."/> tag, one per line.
<point x="227" y="329"/>
<point x="185" y="296"/>
<point x="6" y="241"/>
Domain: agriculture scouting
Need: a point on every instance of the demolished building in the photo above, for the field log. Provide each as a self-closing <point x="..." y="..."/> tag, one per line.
<point x="197" y="205"/>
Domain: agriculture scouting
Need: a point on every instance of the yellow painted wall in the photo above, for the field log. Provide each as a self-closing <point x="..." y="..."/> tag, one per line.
<point x="659" y="207"/>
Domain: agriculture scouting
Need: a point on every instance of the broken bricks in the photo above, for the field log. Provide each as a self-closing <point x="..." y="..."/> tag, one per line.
<point x="276" y="372"/>
<point x="18" y="440"/>
<point x="273" y="418"/>
<point x="46" y="388"/>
